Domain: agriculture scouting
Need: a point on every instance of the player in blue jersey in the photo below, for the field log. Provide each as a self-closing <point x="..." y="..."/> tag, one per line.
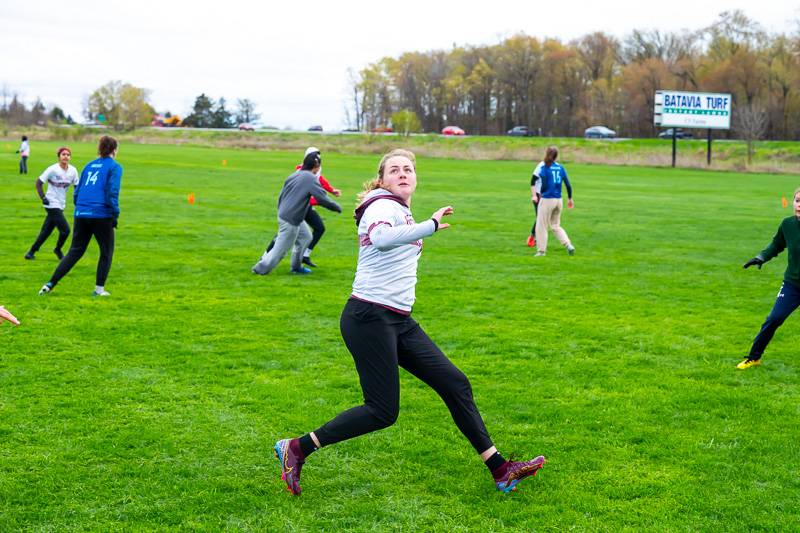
<point x="548" y="217"/>
<point x="96" y="212"/>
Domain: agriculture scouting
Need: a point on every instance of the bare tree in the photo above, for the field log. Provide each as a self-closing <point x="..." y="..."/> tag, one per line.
<point x="751" y="124"/>
<point x="353" y="114"/>
<point x="246" y="111"/>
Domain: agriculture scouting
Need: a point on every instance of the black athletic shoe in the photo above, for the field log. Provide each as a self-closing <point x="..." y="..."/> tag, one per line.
<point x="29" y="255"/>
<point x="58" y="253"/>
<point x="309" y="262"/>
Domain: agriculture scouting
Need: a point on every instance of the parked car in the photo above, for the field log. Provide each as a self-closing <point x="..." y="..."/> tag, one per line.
<point x="599" y="132"/>
<point x="315" y="128"/>
<point x="452" y="130"/>
<point x="679" y="134"/>
<point x="521" y="131"/>
<point x="245" y="126"/>
<point x="382" y="129"/>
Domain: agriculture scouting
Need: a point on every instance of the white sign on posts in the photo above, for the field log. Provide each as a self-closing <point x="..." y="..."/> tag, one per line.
<point x="678" y="109"/>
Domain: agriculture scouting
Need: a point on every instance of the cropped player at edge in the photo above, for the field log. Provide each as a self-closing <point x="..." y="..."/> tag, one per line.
<point x="377" y="328"/>
<point x="788" y="299"/>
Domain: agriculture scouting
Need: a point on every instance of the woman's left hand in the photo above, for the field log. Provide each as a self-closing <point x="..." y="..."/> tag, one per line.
<point x="443" y="212"/>
<point x="6" y="315"/>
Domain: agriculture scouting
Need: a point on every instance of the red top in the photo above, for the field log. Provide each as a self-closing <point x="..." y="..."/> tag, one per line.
<point x="322" y="181"/>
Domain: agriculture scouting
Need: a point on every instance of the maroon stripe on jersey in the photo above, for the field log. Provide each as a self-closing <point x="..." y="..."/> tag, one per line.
<point x="372" y="227"/>
<point x="363" y="207"/>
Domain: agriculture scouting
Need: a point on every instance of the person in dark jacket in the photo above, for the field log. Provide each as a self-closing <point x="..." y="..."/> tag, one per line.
<point x="787" y="238"/>
<point x="293" y="204"/>
<point x="96" y="212"/>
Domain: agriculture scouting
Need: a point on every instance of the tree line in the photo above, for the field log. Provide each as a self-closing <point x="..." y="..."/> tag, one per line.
<point x="14" y="112"/>
<point x="562" y="88"/>
<point x="123" y="106"/>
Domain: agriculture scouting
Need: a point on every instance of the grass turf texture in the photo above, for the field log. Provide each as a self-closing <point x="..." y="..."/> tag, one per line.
<point x="157" y="408"/>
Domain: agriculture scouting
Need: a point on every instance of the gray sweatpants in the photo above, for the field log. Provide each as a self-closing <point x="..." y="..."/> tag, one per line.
<point x="288" y="235"/>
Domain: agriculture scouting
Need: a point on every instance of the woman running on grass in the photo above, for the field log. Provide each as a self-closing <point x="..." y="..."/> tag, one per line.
<point x="59" y="177"/>
<point x="378" y="330"/>
<point x="313" y="219"/>
<point x="550" y="205"/>
<point x="96" y="213"/>
<point x="787" y="237"/>
<point x="293" y="232"/>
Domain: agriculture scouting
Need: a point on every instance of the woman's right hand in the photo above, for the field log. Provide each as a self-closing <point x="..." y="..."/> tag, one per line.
<point x="443" y="212"/>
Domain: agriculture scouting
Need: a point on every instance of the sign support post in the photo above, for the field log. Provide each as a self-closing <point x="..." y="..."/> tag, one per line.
<point x="674" y="145"/>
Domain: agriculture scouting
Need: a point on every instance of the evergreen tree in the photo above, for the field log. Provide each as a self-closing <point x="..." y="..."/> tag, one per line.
<point x="221" y="117"/>
<point x="202" y="113"/>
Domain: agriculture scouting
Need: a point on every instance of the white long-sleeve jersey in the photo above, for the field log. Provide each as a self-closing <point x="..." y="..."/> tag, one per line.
<point x="390" y="243"/>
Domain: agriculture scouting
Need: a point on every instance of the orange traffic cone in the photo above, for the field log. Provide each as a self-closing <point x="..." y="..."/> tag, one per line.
<point x="191" y="198"/>
<point x="784" y="202"/>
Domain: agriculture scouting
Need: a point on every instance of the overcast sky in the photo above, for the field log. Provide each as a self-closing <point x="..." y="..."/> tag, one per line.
<point x="291" y="57"/>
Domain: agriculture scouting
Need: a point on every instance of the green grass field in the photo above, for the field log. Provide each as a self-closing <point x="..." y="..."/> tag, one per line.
<point x="773" y="157"/>
<point x="157" y="408"/>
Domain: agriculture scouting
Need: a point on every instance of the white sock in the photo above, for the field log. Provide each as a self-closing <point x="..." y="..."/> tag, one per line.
<point x="307" y="253"/>
<point x="99" y="288"/>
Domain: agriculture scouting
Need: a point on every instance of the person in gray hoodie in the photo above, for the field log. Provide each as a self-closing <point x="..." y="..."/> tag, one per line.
<point x="292" y="206"/>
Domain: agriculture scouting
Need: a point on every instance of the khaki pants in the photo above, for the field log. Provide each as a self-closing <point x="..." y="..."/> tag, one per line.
<point x="549" y="218"/>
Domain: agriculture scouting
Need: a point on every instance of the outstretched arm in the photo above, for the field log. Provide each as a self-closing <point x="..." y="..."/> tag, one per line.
<point x="385" y="236"/>
<point x="6" y="315"/>
<point x="777" y="245"/>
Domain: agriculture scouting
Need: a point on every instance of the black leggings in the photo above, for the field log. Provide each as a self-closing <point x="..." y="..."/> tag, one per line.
<point x="535" y="216"/>
<point x="381" y="341"/>
<point x="317" y="227"/>
<point x="55" y="219"/>
<point x="103" y="231"/>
